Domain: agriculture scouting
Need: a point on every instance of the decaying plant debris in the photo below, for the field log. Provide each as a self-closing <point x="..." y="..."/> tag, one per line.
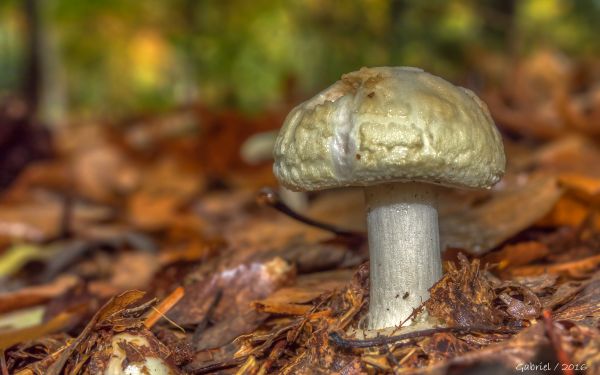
<point x="232" y="285"/>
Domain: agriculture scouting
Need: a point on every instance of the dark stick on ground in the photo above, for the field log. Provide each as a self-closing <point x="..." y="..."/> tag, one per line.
<point x="269" y="197"/>
<point x="345" y="343"/>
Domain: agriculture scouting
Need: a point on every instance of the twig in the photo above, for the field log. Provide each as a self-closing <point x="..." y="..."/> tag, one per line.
<point x="138" y="311"/>
<point x="391" y="359"/>
<point x="164" y="307"/>
<point x="416" y="311"/>
<point x="269" y="197"/>
<point x="213" y="367"/>
<point x="273" y="356"/>
<point x="561" y="355"/>
<point x="342" y="342"/>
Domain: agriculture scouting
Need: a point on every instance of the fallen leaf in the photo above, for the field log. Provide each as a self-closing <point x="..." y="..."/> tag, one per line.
<point x="576" y="268"/>
<point x="585" y="307"/>
<point x="463" y="297"/>
<point x="563" y="293"/>
<point x="294" y="299"/>
<point x="233" y="314"/>
<point x="568" y="211"/>
<point x="479" y="229"/>
<point x="35" y="295"/>
<point x="516" y="254"/>
<point x="56" y="324"/>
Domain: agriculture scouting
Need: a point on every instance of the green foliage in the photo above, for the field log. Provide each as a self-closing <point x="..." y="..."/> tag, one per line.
<point x="120" y="56"/>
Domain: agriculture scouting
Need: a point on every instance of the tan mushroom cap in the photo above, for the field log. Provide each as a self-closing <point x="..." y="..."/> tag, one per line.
<point x="389" y="124"/>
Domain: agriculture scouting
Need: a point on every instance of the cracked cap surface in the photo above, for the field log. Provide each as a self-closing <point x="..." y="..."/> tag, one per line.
<point x="389" y="124"/>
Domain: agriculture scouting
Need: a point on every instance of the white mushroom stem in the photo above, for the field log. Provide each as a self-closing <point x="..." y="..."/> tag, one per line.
<point x="297" y="201"/>
<point x="404" y="248"/>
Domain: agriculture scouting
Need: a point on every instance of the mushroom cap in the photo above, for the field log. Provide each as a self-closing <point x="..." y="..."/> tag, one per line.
<point x="389" y="124"/>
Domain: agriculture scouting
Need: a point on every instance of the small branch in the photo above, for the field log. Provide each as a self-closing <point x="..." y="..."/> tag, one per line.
<point x="345" y="343"/>
<point x="416" y="311"/>
<point x="561" y="355"/>
<point x="213" y="367"/>
<point x="269" y="197"/>
<point x="138" y="311"/>
<point x="276" y="351"/>
<point x="164" y="307"/>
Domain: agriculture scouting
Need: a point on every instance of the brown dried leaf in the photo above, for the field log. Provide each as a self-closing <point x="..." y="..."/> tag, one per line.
<point x="480" y="229"/>
<point x="463" y="297"/>
<point x="441" y="346"/>
<point x="35" y="295"/>
<point x="521" y="348"/>
<point x="293" y="299"/>
<point x="585" y="307"/>
<point x="517" y="254"/>
<point x="40" y="219"/>
<point x="573" y="154"/>
<point x="233" y="314"/>
<point x="562" y="294"/>
<point x="34" y="351"/>
<point x="56" y="324"/>
<point x="537" y="284"/>
<point x="576" y="269"/>
<point x="568" y="211"/>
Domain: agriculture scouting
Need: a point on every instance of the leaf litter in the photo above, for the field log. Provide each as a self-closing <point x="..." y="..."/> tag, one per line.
<point x="234" y="286"/>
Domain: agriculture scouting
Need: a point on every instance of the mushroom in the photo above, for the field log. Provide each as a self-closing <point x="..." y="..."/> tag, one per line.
<point x="257" y="149"/>
<point x="138" y="353"/>
<point x="399" y="132"/>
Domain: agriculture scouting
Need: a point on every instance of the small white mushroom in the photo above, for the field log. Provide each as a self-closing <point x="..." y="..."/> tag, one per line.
<point x="257" y="149"/>
<point x="152" y="363"/>
<point x="398" y="132"/>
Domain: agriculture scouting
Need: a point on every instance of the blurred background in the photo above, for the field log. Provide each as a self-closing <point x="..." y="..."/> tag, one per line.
<point x="135" y="135"/>
<point x="224" y="70"/>
<point x="118" y="57"/>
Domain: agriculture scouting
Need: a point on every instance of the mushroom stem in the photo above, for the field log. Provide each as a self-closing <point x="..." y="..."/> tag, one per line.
<point x="404" y="248"/>
<point x="297" y="201"/>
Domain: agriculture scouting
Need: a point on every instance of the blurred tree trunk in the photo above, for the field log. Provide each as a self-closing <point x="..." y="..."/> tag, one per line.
<point x="508" y="8"/>
<point x="22" y="138"/>
<point x="42" y="86"/>
<point x="33" y="67"/>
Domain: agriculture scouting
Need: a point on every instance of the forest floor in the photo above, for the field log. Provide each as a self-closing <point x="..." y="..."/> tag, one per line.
<point x="152" y="239"/>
